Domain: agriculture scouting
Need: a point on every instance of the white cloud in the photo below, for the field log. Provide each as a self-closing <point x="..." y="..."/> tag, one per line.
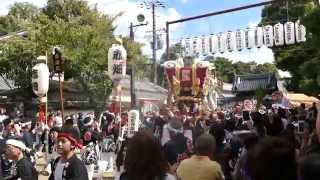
<point x="130" y="11"/>
<point x="260" y="56"/>
<point x="184" y="1"/>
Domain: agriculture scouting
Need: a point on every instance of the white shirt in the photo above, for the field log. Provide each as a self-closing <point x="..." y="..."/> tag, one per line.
<point x="58" y="172"/>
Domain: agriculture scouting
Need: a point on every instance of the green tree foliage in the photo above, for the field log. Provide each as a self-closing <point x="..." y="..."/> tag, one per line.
<point x="226" y="69"/>
<point x="301" y="60"/>
<point x="83" y="34"/>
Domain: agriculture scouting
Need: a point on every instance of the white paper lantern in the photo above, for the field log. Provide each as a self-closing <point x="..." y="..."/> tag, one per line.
<point x="133" y="122"/>
<point x="117" y="62"/>
<point x="183" y="43"/>
<point x="222" y="42"/>
<point x="196" y="46"/>
<point x="214" y="44"/>
<point x="204" y="45"/>
<point x="188" y="46"/>
<point x="249" y="38"/>
<point x="268" y="35"/>
<point x="289" y="33"/>
<point x="40" y="79"/>
<point x="240" y="40"/>
<point x="278" y="34"/>
<point x="258" y="37"/>
<point x="300" y="32"/>
<point x="207" y="44"/>
<point x="231" y="41"/>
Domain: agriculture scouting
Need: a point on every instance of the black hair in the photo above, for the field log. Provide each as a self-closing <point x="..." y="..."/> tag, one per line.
<point x="309" y="167"/>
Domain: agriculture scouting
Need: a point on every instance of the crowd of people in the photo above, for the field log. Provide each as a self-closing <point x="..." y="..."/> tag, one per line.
<point x="233" y="144"/>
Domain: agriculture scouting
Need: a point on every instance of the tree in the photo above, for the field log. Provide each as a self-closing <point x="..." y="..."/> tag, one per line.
<point x="301" y="60"/>
<point x="83" y="34"/>
<point x="225" y="69"/>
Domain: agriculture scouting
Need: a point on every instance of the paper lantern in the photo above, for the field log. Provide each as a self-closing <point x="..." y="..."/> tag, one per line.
<point x="133" y="122"/>
<point x="206" y="45"/>
<point x="249" y="38"/>
<point x="231" y="41"/>
<point x="196" y="46"/>
<point x="289" y="33"/>
<point x="40" y="79"/>
<point x="222" y="41"/>
<point x="300" y="32"/>
<point x="188" y="46"/>
<point x="278" y="34"/>
<point x="268" y="35"/>
<point x="214" y="44"/>
<point x="117" y="62"/>
<point x="258" y="37"/>
<point x="240" y="40"/>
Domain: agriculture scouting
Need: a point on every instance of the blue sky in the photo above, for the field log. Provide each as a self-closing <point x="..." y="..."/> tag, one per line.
<point x="177" y="9"/>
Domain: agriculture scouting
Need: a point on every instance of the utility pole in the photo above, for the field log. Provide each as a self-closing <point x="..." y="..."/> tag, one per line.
<point x="154" y="50"/>
<point x="153" y="4"/>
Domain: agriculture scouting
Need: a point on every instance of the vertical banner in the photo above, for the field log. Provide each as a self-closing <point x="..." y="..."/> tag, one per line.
<point x="214" y="44"/>
<point x="300" y="32"/>
<point x="268" y="35"/>
<point x="231" y="41"/>
<point x="258" y="37"/>
<point x="249" y="38"/>
<point x="278" y="34"/>
<point x="289" y="33"/>
<point x="240" y="40"/>
<point x="222" y="39"/>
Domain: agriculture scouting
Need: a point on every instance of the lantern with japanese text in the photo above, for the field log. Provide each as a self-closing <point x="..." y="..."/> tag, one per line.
<point x="222" y="42"/>
<point x="249" y="38"/>
<point x="300" y="32"/>
<point x="278" y="34"/>
<point x="40" y="79"/>
<point x="268" y="35"/>
<point x="259" y="37"/>
<point x="117" y="61"/>
<point x="214" y="44"/>
<point x="240" y="40"/>
<point x="231" y="41"/>
<point x="133" y="122"/>
<point x="289" y="33"/>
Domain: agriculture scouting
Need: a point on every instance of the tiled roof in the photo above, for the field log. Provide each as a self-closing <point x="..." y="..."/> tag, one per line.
<point x="248" y="83"/>
<point x="143" y="88"/>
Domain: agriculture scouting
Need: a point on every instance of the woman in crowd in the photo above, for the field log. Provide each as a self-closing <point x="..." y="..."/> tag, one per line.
<point x="145" y="159"/>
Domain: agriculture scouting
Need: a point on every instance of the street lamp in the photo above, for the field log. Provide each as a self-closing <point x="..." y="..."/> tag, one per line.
<point x="140" y="19"/>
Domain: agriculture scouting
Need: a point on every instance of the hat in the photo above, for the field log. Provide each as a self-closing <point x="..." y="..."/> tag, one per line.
<point x="87" y="121"/>
<point x="16" y="143"/>
<point x="262" y="110"/>
<point x="72" y="134"/>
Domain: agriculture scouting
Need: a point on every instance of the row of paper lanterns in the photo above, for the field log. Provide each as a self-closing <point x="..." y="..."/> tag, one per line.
<point x="278" y="35"/>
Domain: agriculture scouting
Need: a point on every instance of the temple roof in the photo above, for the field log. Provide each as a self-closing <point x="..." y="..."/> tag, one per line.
<point x="251" y="82"/>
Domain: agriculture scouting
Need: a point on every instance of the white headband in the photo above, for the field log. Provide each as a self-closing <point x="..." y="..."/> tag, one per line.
<point x="16" y="143"/>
